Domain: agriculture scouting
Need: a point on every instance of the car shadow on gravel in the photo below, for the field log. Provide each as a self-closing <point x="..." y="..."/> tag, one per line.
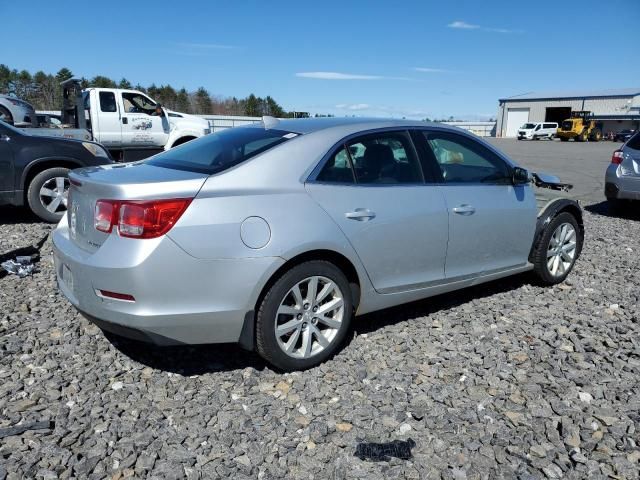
<point x="187" y="360"/>
<point x="211" y="358"/>
<point x="15" y="215"/>
<point x="627" y="212"/>
<point x="422" y="308"/>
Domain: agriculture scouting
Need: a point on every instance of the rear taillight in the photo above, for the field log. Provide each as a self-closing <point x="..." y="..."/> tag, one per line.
<point x="616" y="158"/>
<point x="139" y="218"/>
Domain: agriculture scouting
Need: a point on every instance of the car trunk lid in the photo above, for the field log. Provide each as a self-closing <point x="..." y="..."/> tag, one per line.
<point x="133" y="181"/>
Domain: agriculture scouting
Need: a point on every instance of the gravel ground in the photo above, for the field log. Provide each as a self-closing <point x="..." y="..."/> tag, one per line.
<point x="505" y="380"/>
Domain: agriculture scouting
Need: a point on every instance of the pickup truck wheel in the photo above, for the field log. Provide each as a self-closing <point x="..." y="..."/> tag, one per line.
<point x="304" y="317"/>
<point x="5" y="116"/>
<point x="47" y="194"/>
<point x="557" y="249"/>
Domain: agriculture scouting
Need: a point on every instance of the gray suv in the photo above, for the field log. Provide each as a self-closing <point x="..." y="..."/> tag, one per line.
<point x="622" y="179"/>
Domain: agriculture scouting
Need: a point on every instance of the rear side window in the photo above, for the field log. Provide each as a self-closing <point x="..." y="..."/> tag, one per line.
<point x="107" y="102"/>
<point x="219" y="151"/>
<point x="550" y="125"/>
<point x="337" y="169"/>
<point x="634" y="142"/>
<point x="380" y="158"/>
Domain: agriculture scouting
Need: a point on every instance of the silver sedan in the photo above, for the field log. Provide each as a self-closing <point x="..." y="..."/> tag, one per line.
<point x="277" y="234"/>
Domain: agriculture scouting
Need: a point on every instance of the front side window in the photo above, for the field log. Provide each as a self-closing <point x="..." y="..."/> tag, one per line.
<point x="464" y="160"/>
<point x="107" y="102"/>
<point x="137" y="103"/>
<point x="219" y="151"/>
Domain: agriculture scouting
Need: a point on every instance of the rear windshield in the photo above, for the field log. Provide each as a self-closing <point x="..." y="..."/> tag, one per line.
<point x="634" y="142"/>
<point x="219" y="151"/>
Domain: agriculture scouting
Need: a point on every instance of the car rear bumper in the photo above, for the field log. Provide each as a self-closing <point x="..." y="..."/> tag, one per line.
<point x="622" y="187"/>
<point x="179" y="299"/>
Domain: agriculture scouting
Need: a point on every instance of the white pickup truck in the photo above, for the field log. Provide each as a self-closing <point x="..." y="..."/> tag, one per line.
<point x="126" y="122"/>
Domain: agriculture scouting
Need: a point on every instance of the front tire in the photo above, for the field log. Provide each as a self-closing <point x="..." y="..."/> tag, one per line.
<point x="558" y="249"/>
<point x="47" y="194"/>
<point x="304" y="317"/>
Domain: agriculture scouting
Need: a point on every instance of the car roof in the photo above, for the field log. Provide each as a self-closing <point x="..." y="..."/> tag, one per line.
<point x="348" y="124"/>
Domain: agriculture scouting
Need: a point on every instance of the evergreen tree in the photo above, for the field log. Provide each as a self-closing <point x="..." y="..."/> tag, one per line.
<point x="202" y="101"/>
<point x="125" y="84"/>
<point x="252" y="107"/>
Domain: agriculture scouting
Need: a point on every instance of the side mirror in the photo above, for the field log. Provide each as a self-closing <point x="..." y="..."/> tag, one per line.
<point x="520" y="176"/>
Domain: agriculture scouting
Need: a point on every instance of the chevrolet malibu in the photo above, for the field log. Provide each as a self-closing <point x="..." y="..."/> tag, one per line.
<point x="276" y="235"/>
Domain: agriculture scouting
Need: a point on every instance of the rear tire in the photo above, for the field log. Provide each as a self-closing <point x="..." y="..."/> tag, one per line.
<point x="596" y="135"/>
<point x="292" y="307"/>
<point x="47" y="194"/>
<point x="5" y="116"/>
<point x="557" y="250"/>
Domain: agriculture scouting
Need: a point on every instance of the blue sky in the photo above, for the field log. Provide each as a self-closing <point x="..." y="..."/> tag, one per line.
<point x="405" y="58"/>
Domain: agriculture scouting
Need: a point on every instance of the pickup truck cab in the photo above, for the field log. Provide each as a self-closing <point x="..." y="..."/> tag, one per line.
<point x="128" y="119"/>
<point x="129" y="123"/>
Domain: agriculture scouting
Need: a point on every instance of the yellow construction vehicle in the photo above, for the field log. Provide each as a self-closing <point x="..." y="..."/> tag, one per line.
<point x="581" y="127"/>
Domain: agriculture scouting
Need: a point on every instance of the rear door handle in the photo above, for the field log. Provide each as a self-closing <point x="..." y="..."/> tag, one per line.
<point x="464" y="209"/>
<point x="360" y="214"/>
<point x="125" y="120"/>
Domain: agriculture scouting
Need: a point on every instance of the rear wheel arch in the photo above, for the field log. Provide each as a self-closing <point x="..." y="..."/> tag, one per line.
<point x="331" y="256"/>
<point x="248" y="334"/>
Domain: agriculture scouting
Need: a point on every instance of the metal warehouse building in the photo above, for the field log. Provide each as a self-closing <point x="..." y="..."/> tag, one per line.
<point x="617" y="109"/>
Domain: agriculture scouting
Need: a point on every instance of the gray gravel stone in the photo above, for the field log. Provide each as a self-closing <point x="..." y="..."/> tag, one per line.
<point x="504" y="380"/>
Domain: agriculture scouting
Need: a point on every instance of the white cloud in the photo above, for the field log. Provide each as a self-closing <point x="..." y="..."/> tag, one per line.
<point x="431" y="70"/>
<point x="463" y="25"/>
<point x="353" y="106"/>
<point x="205" y="46"/>
<point x="336" y="76"/>
<point x="345" y="76"/>
<point x="459" y="24"/>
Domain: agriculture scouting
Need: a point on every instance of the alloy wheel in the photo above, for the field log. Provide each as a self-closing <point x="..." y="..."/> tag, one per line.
<point x="54" y="193"/>
<point x="309" y="317"/>
<point x="561" y="251"/>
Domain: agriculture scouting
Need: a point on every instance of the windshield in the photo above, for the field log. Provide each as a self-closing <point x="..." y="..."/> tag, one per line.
<point x="219" y="151"/>
<point x="528" y="126"/>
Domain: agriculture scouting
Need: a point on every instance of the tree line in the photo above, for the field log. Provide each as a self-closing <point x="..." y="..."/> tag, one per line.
<point x="44" y="92"/>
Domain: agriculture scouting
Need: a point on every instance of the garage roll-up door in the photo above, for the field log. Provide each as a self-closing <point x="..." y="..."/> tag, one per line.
<point x="516" y="117"/>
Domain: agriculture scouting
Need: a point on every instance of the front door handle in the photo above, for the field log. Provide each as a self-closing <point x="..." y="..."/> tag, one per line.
<point x="464" y="209"/>
<point x="360" y="214"/>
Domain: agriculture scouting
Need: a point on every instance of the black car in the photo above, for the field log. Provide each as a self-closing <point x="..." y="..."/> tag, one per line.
<point x="623" y="135"/>
<point x="34" y="169"/>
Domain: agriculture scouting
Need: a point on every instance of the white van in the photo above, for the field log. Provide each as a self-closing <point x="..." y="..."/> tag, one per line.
<point x="536" y="131"/>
